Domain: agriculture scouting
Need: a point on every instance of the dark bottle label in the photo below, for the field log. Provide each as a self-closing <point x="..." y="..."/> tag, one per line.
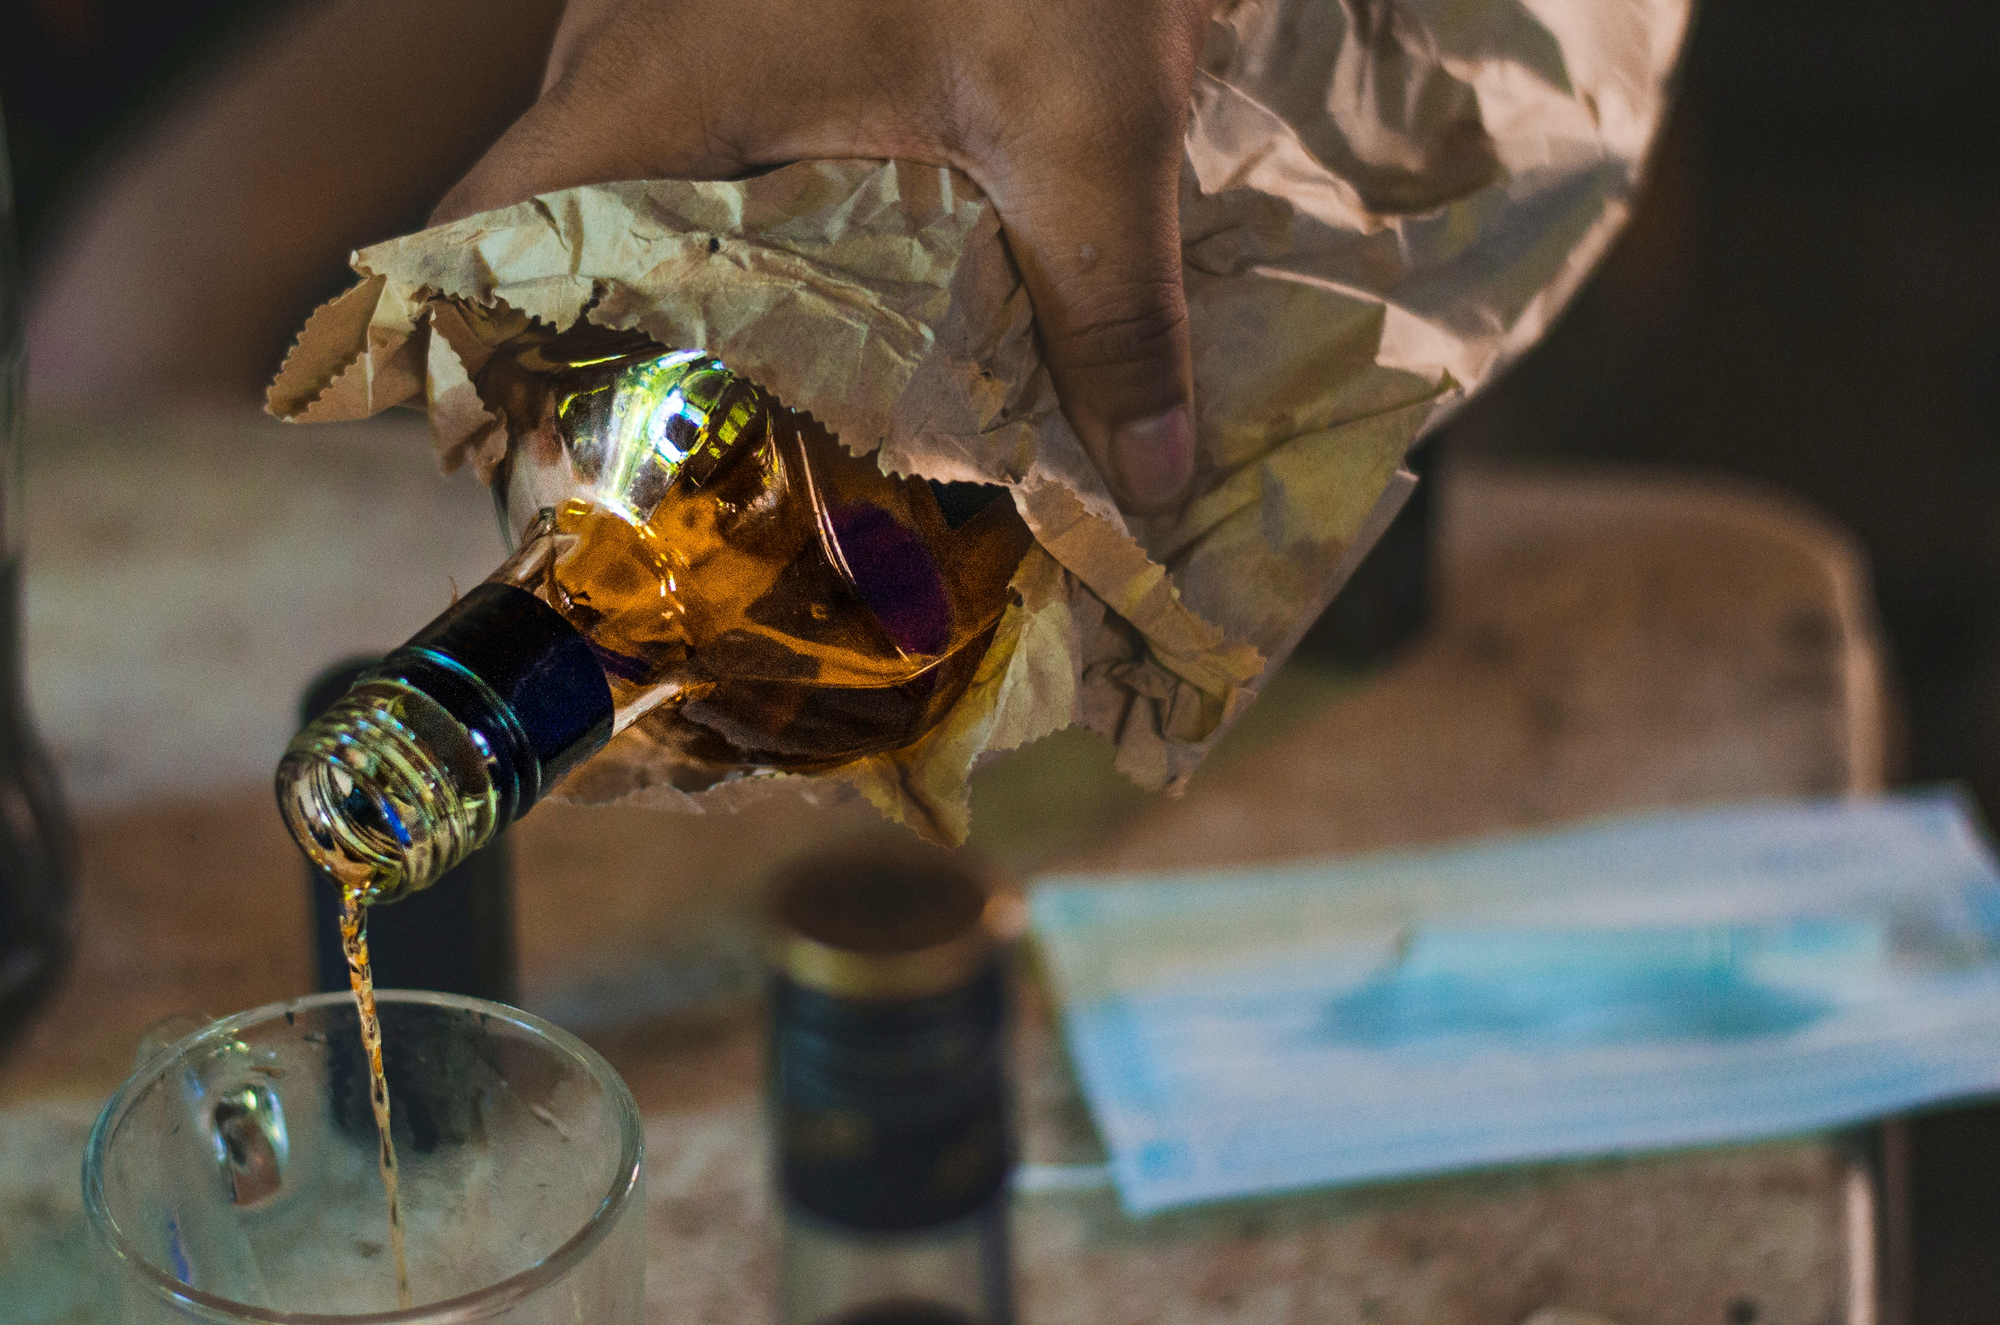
<point x="892" y="1116"/>
<point x="521" y="679"/>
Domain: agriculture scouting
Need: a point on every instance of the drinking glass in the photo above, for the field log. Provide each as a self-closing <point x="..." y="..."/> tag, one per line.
<point x="235" y="1177"/>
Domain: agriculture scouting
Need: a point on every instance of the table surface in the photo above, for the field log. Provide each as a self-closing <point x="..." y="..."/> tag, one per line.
<point x="1600" y="644"/>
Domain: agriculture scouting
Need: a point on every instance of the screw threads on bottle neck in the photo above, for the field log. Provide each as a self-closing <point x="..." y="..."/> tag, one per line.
<point x="448" y="740"/>
<point x="386" y="790"/>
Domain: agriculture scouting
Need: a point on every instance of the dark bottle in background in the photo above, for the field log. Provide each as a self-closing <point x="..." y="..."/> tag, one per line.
<point x="37" y="859"/>
<point x="889" y="1101"/>
<point x="456" y="937"/>
<point x="1386" y="603"/>
<point x="37" y="847"/>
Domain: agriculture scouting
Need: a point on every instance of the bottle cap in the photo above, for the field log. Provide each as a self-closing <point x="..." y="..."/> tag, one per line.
<point x="885" y="921"/>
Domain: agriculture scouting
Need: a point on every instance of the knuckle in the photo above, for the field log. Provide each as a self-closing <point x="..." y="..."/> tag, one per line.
<point x="1119" y="120"/>
<point x="1054" y="78"/>
<point x="597" y="120"/>
<point x="1143" y="325"/>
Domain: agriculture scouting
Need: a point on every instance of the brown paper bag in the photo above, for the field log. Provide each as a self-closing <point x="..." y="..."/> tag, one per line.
<point x="1381" y="205"/>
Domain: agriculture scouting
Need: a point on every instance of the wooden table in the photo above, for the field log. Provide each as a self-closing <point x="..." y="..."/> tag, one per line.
<point x="1601" y="644"/>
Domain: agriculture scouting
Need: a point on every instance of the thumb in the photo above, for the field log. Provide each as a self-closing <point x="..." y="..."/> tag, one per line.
<point x="1100" y="251"/>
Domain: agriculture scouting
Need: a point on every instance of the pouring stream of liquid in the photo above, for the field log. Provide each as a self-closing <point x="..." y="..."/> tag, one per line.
<point x="354" y="943"/>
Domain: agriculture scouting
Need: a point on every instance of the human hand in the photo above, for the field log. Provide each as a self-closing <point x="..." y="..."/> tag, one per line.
<point x="1069" y="115"/>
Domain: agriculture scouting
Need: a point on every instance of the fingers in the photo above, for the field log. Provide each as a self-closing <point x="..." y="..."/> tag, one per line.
<point x="1070" y="117"/>
<point x="1087" y="184"/>
<point x="1102" y="265"/>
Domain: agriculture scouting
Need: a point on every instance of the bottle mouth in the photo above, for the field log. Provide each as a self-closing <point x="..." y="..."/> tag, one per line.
<point x="386" y="791"/>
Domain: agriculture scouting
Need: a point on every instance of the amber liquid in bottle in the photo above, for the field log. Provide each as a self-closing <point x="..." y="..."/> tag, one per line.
<point x="759" y="598"/>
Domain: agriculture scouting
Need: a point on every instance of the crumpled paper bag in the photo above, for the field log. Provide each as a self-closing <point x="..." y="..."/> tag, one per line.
<point x="1382" y="203"/>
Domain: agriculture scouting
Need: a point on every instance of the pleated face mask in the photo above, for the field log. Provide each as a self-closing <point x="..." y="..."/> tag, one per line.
<point x="1677" y="979"/>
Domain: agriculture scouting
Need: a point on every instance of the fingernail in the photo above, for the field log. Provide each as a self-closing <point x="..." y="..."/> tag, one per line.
<point x="1153" y="459"/>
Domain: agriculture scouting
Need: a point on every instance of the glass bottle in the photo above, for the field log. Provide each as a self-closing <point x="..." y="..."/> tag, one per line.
<point x="692" y="559"/>
<point x="37" y="863"/>
<point x="888" y="1094"/>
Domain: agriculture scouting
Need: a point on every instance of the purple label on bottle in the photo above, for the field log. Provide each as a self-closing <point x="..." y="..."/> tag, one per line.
<point x="895" y="575"/>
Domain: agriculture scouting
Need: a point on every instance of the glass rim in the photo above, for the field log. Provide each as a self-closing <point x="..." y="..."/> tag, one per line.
<point x="477" y="1305"/>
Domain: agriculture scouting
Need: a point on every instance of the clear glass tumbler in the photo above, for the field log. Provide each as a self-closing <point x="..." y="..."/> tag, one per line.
<point x="235" y="1177"/>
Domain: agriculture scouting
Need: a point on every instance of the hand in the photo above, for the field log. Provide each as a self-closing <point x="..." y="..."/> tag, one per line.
<point x="1068" y="113"/>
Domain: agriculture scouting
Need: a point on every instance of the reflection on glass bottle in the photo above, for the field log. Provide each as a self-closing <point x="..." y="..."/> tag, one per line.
<point x="694" y="561"/>
<point x="36" y="848"/>
<point x="888" y="1091"/>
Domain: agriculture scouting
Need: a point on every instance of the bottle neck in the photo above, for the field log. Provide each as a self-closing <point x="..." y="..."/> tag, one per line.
<point x="521" y="680"/>
<point x="454" y="736"/>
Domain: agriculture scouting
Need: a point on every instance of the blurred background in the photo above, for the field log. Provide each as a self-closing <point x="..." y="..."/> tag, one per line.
<point x="1808" y="298"/>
